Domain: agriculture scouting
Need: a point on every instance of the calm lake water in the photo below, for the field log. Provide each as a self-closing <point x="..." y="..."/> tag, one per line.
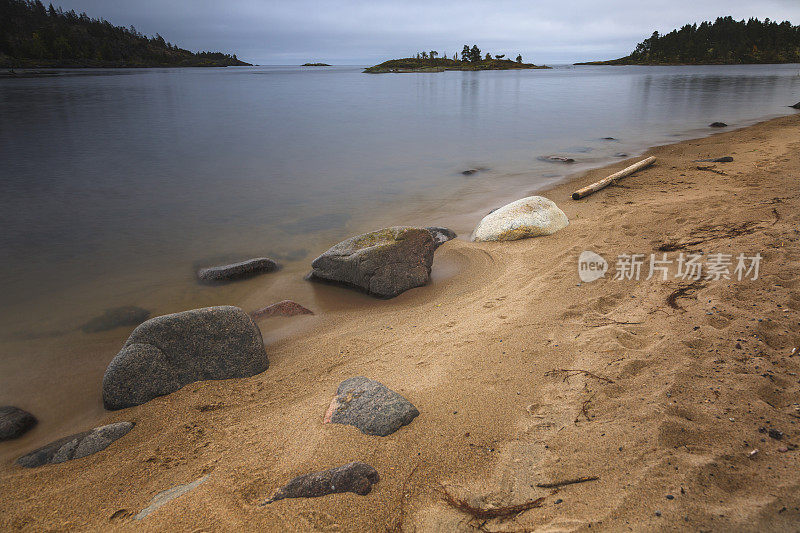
<point x="116" y="184"/>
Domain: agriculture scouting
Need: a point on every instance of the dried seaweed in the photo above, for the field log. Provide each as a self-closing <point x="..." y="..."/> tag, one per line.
<point x="490" y="512"/>
<point x="558" y="484"/>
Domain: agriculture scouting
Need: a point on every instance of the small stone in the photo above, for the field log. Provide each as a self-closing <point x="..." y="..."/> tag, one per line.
<point x="670" y="497"/>
<point x="775" y="433"/>
<point x="241" y="270"/>
<point x="76" y="446"/>
<point x="783" y="449"/>
<point x="283" y="308"/>
<point x="718" y="125"/>
<point x="558" y="501"/>
<point x="14" y="422"/>
<point x="354" y="477"/>
<point x="370" y="406"/>
<point x="658" y="513"/>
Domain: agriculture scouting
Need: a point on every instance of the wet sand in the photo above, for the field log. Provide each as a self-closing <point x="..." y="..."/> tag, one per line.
<point x="669" y="399"/>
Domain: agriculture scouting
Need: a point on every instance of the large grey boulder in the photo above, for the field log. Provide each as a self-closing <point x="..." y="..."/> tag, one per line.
<point x="241" y="270"/>
<point x="167" y="352"/>
<point x="383" y="263"/>
<point x="353" y="477"/>
<point x="76" y="446"/>
<point x="14" y="422"/>
<point x="529" y="217"/>
<point x="370" y="406"/>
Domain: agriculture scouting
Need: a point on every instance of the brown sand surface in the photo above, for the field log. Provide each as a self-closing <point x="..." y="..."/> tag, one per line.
<point x="669" y="399"/>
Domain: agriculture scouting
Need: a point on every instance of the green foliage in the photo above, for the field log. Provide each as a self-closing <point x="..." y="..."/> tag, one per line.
<point x="32" y="36"/>
<point x="725" y="41"/>
<point x="416" y="64"/>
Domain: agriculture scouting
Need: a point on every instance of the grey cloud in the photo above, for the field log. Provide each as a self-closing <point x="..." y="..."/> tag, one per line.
<point x="365" y="32"/>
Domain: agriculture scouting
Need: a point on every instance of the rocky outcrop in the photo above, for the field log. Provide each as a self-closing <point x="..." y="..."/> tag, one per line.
<point x="440" y="235"/>
<point x="128" y="315"/>
<point x="167" y="352"/>
<point x="383" y="263"/>
<point x="14" y="422"/>
<point x="283" y="308"/>
<point x="241" y="270"/>
<point x="529" y="217"/>
<point x="370" y="406"/>
<point x="353" y="477"/>
<point x="76" y="446"/>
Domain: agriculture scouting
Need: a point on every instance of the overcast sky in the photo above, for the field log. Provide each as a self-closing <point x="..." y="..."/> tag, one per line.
<point x="357" y="32"/>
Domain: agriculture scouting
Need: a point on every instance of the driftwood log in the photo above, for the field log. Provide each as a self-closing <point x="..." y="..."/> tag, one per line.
<point x="605" y="182"/>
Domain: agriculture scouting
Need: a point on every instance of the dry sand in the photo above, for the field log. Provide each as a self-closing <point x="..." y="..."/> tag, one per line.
<point x="670" y="403"/>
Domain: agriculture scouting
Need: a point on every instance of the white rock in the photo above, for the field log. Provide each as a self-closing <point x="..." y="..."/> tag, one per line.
<point x="530" y="217"/>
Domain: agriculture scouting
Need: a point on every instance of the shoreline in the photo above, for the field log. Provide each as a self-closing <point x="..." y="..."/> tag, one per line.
<point x="471" y="350"/>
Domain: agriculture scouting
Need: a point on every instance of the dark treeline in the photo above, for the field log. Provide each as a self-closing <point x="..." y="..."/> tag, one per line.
<point x="472" y="55"/>
<point x="725" y="41"/>
<point x="32" y="35"/>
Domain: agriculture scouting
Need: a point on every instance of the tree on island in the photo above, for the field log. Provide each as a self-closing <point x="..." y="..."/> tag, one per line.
<point x="725" y="41"/>
<point x="519" y="58"/>
<point x="475" y="53"/>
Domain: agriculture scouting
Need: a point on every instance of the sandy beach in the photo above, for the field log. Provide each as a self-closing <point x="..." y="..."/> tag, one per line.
<point x="662" y="390"/>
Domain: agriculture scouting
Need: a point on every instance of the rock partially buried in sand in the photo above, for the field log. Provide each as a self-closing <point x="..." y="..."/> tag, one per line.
<point x="164" y="497"/>
<point x="353" y="477"/>
<point x="440" y="235"/>
<point x="370" y="406"/>
<point x="14" y="422"/>
<point x="128" y="315"/>
<point x="718" y="125"/>
<point x="241" y="270"/>
<point x="529" y="217"/>
<point x="383" y="263"/>
<point x="76" y="446"/>
<point x="167" y="352"/>
<point x="283" y="308"/>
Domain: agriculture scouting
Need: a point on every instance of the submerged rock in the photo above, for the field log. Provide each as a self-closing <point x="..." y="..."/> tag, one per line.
<point x="529" y="217"/>
<point x="556" y="159"/>
<point x="284" y="308"/>
<point x="15" y="422"/>
<point x="796" y="106"/>
<point x="440" y="235"/>
<point x="128" y="315"/>
<point x="383" y="263"/>
<point x="241" y="270"/>
<point x="718" y="125"/>
<point x="167" y="352"/>
<point x="353" y="477"/>
<point x="621" y="155"/>
<point x="370" y="406"/>
<point x="76" y="446"/>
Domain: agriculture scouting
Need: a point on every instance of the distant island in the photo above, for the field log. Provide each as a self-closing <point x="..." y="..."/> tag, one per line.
<point x="723" y="42"/>
<point x="32" y="36"/>
<point x="471" y="59"/>
<point x="315" y="65"/>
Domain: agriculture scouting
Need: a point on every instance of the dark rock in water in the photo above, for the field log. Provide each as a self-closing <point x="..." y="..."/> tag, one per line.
<point x="167" y="352"/>
<point x="609" y="139"/>
<point x="243" y="269"/>
<point x="621" y="154"/>
<point x="14" y="422"/>
<point x="128" y="315"/>
<point x="796" y="106"/>
<point x="383" y="263"/>
<point x="370" y="406"/>
<point x="718" y="125"/>
<point x="353" y="477"/>
<point x="471" y="171"/>
<point x="440" y="235"/>
<point x="556" y="159"/>
<point x="284" y="308"/>
<point x="726" y="159"/>
<point x="76" y="446"/>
